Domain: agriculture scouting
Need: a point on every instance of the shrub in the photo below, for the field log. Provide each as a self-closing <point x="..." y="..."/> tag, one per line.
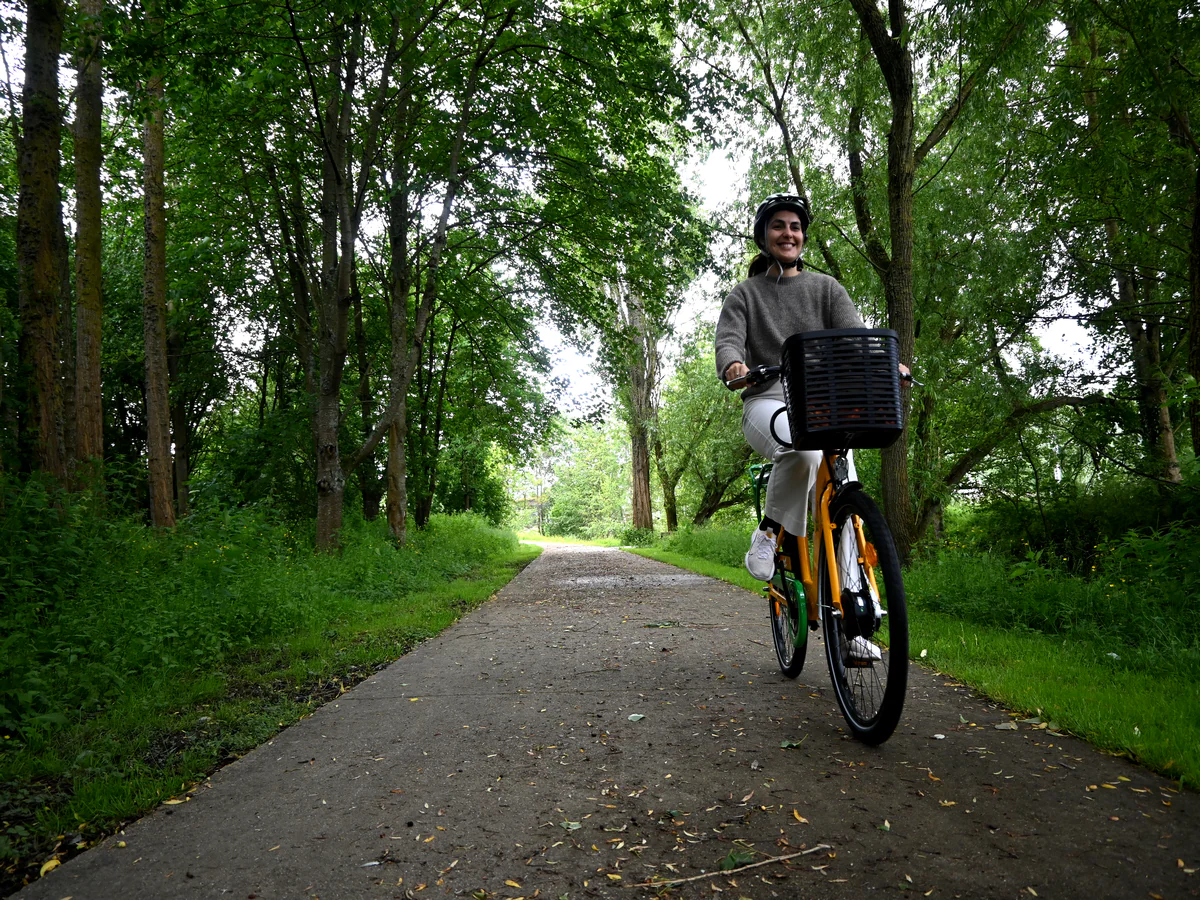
<point x="726" y="546"/>
<point x="93" y="604"/>
<point x="637" y="537"/>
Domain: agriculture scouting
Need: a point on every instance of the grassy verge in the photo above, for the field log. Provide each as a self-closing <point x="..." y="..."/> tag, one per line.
<point x="534" y="537"/>
<point x="1144" y="706"/>
<point x="297" y="629"/>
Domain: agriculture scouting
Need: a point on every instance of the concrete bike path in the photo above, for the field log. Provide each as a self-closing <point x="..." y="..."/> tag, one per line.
<point x="606" y="720"/>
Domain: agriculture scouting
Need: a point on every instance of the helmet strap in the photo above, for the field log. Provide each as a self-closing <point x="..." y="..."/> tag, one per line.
<point x="783" y="267"/>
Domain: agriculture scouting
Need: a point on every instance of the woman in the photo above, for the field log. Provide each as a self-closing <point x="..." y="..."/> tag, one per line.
<point x="779" y="298"/>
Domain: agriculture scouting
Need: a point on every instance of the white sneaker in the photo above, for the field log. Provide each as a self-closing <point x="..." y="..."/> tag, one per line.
<point x="863" y="650"/>
<point x="760" y="558"/>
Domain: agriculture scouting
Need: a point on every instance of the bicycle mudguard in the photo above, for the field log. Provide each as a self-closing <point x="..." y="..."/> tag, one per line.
<point x="846" y="487"/>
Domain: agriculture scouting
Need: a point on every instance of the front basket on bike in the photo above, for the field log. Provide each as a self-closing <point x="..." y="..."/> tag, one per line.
<point x="842" y="388"/>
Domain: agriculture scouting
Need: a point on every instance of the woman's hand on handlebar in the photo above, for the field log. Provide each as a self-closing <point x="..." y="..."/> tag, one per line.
<point x="906" y="377"/>
<point x="734" y="372"/>
<point x="737" y="376"/>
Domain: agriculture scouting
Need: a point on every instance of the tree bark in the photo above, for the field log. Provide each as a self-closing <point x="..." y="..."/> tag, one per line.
<point x="180" y="426"/>
<point x="639" y="445"/>
<point x="895" y="62"/>
<point x="667" y="480"/>
<point x="89" y="308"/>
<point x="154" y="312"/>
<point x="337" y="251"/>
<point x="1194" y="313"/>
<point x="372" y="487"/>
<point x="40" y="253"/>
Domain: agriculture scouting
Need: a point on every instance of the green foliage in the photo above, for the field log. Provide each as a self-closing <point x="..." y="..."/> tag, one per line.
<point x="590" y="495"/>
<point x="726" y="546"/>
<point x="1141" y="603"/>
<point x="637" y="537"/>
<point x="93" y="605"/>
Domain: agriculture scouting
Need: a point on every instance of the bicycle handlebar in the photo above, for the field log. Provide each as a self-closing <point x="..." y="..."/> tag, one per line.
<point x="763" y="374"/>
<point x="757" y="375"/>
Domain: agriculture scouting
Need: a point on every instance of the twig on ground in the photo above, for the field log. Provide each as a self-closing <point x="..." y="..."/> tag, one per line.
<point x="718" y="874"/>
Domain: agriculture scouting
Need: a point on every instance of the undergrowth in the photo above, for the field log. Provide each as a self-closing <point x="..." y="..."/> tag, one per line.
<point x="134" y="661"/>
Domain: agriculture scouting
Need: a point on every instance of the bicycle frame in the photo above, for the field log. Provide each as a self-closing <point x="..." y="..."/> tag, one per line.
<point x="826" y="486"/>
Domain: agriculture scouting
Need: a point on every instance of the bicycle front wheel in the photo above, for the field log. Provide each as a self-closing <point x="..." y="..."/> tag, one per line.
<point x="866" y="645"/>
<point x="789" y="622"/>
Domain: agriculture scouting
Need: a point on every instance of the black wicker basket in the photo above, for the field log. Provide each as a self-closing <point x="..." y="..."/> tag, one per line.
<point x="842" y="388"/>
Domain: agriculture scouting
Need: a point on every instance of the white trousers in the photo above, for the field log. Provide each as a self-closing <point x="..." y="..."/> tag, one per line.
<point x="790" y="494"/>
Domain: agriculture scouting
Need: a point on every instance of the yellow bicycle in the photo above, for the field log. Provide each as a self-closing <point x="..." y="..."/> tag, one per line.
<point x="842" y="391"/>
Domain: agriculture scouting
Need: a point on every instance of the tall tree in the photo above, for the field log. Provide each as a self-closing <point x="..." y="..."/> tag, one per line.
<point x="41" y="253"/>
<point x="89" y="416"/>
<point x="154" y="295"/>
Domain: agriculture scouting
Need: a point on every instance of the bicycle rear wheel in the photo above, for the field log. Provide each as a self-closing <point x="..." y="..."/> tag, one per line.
<point x="789" y="622"/>
<point x="867" y="645"/>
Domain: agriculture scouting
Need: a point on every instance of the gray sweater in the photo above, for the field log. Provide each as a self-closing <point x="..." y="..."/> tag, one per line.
<point x="763" y="312"/>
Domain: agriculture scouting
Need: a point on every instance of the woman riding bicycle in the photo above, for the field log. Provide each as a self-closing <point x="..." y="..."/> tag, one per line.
<point x="780" y="298"/>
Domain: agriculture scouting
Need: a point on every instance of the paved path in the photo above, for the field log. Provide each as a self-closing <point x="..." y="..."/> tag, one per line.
<point x="507" y="756"/>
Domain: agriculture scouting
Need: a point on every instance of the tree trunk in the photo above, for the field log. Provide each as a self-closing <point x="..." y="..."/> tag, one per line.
<point x="154" y="313"/>
<point x="895" y="62"/>
<point x="1194" y="313"/>
<point x="180" y="427"/>
<point x="372" y="487"/>
<point x="668" y="481"/>
<point x="66" y="344"/>
<point x="639" y="445"/>
<point x="337" y="254"/>
<point x="397" y="497"/>
<point x="89" y="309"/>
<point x="40" y="254"/>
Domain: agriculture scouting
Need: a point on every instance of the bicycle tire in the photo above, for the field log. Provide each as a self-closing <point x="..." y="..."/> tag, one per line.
<point x="870" y="693"/>
<point x="789" y="626"/>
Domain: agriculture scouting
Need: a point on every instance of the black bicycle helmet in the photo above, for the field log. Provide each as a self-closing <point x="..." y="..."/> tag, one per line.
<point x="772" y="205"/>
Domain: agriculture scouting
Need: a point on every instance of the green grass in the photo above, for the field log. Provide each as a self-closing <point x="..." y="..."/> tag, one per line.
<point x="1144" y="703"/>
<point x="535" y="537"/>
<point x="161" y="656"/>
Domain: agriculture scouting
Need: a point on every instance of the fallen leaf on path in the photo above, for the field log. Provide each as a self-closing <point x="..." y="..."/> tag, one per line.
<point x="1007" y="726"/>
<point x="50" y="865"/>
<point x="886" y="826"/>
<point x="636" y="717"/>
<point x="735" y="860"/>
<point x="790" y="744"/>
<point x="803" y="821"/>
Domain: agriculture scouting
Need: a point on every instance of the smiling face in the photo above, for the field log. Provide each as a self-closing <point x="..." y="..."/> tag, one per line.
<point x="785" y="237"/>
